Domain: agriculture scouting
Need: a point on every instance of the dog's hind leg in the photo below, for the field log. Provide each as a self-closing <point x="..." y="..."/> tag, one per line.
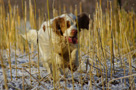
<point x="31" y="36"/>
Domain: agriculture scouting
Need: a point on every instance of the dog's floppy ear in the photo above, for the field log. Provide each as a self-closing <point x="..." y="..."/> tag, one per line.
<point x="83" y="21"/>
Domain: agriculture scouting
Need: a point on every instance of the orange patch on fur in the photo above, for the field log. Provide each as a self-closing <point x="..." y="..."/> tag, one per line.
<point x="60" y="25"/>
<point x="44" y="28"/>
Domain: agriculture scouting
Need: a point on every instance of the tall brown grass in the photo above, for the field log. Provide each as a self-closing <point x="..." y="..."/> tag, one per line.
<point x="111" y="38"/>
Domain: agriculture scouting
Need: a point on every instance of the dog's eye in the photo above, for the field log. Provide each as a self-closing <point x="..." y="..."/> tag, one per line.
<point x="59" y="28"/>
<point x="68" y="24"/>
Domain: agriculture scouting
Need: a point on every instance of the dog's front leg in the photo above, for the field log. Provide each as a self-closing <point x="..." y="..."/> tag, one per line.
<point x="48" y="67"/>
<point x="74" y="63"/>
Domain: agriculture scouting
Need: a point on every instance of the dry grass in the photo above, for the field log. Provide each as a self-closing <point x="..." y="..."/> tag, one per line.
<point x="107" y="51"/>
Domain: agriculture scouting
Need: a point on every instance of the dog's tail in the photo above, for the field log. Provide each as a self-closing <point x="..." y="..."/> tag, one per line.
<point x="31" y="36"/>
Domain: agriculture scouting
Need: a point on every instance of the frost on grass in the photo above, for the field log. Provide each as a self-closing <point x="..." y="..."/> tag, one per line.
<point x="82" y="79"/>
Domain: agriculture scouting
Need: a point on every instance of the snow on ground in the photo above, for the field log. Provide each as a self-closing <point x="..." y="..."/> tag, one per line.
<point x="47" y="82"/>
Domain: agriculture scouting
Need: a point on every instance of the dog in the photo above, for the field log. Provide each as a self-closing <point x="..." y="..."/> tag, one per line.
<point x="57" y="39"/>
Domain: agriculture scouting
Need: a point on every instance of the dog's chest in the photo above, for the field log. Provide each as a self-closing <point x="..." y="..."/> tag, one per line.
<point x="66" y="51"/>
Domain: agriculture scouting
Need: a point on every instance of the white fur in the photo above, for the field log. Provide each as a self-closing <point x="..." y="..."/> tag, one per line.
<point x="31" y="36"/>
<point x="49" y="42"/>
<point x="72" y="19"/>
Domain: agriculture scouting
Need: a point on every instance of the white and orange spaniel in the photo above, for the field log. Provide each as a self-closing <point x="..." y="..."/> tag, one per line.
<point x="57" y="39"/>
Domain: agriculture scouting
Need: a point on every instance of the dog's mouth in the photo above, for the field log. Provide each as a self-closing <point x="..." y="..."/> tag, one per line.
<point x="72" y="40"/>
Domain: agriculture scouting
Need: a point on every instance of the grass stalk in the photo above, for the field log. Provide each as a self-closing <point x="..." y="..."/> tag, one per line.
<point x="38" y="62"/>
<point x="54" y="59"/>
<point x="2" y="63"/>
<point x="15" y="34"/>
<point x="91" y="68"/>
<point x="111" y="41"/>
<point x="80" y="6"/>
<point x="23" y="79"/>
<point x="26" y="43"/>
<point x="9" y="43"/>
<point x="129" y="60"/>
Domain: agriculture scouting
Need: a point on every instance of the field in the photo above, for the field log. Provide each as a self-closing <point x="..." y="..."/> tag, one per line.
<point x="107" y="51"/>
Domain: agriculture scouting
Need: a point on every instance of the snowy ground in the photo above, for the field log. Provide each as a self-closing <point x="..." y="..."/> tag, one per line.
<point x="47" y="83"/>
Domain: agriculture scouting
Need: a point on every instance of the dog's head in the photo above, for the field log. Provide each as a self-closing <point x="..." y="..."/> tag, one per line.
<point x="66" y="26"/>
